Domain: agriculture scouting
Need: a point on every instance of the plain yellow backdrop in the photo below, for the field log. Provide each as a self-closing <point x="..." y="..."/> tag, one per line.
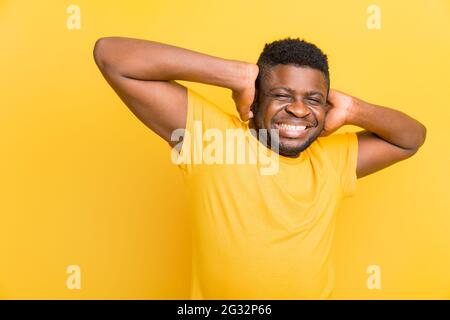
<point x="84" y="183"/>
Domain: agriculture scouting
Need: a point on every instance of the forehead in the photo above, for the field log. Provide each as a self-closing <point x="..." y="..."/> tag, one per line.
<point x="297" y="78"/>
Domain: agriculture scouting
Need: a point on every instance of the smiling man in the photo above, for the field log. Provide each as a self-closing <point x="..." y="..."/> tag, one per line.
<point x="260" y="236"/>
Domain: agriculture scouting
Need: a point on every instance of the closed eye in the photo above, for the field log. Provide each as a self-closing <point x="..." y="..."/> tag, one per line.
<point x="315" y="101"/>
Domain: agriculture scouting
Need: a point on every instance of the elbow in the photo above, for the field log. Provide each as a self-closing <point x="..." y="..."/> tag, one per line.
<point x="421" y="137"/>
<point x="100" y="52"/>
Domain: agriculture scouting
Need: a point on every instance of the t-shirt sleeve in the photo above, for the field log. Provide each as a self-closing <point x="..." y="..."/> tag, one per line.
<point x="202" y="115"/>
<point x="342" y="150"/>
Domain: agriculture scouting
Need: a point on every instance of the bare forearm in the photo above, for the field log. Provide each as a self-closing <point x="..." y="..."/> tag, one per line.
<point x="391" y="125"/>
<point x="150" y="60"/>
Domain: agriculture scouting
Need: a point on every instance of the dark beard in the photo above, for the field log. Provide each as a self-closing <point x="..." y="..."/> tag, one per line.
<point x="289" y="150"/>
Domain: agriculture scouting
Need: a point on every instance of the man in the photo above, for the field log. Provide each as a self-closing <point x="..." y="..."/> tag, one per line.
<point x="260" y="236"/>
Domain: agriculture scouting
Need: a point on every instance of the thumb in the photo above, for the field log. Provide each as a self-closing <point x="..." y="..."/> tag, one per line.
<point x="244" y="112"/>
<point x="244" y="106"/>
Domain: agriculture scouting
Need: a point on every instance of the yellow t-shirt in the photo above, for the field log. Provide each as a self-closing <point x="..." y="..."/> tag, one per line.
<point x="255" y="235"/>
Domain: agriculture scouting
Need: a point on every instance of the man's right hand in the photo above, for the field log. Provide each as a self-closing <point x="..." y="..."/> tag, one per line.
<point x="243" y="97"/>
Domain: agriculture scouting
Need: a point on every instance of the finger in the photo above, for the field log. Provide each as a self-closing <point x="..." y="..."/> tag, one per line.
<point x="243" y="116"/>
<point x="245" y="113"/>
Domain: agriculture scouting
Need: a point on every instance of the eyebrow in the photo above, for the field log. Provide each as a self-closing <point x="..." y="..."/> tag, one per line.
<point x="309" y="93"/>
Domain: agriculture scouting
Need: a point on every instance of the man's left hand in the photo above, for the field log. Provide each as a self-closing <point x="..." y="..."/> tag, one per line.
<point x="338" y="106"/>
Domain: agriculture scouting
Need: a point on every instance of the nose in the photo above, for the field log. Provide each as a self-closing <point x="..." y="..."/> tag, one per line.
<point x="298" y="109"/>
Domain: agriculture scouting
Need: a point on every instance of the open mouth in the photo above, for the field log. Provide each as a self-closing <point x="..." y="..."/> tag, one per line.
<point x="290" y="130"/>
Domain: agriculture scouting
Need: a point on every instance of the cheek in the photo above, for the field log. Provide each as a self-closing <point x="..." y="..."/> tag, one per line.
<point x="260" y="117"/>
<point x="265" y="116"/>
<point x="270" y="111"/>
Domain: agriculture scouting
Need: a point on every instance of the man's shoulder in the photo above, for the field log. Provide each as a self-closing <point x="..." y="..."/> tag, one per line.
<point x="332" y="147"/>
<point x="335" y="140"/>
<point x="211" y="115"/>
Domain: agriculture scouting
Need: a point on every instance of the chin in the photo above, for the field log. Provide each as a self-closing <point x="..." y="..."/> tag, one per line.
<point x="290" y="149"/>
<point x="293" y="147"/>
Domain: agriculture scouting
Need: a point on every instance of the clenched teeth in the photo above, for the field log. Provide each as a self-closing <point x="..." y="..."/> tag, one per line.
<point x="291" y="127"/>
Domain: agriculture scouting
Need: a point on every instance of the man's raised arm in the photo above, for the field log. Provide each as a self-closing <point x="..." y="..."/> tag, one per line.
<point x="142" y="73"/>
<point x="389" y="136"/>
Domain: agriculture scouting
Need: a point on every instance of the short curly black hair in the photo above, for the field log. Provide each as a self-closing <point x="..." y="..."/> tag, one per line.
<point x="292" y="51"/>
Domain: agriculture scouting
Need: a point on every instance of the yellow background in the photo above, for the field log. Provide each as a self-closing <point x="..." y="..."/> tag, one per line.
<point x="83" y="182"/>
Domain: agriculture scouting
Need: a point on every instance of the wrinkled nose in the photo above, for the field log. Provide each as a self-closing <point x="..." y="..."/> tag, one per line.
<point x="298" y="109"/>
